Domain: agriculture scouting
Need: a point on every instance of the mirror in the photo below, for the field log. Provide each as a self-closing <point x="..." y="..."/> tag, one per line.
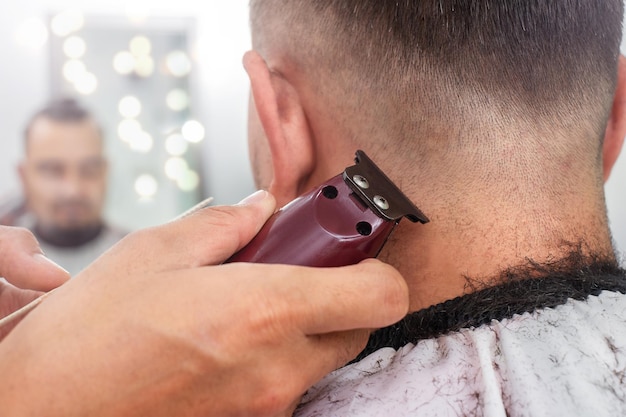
<point x="136" y="77"/>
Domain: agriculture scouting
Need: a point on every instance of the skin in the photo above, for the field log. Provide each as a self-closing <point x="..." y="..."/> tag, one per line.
<point x="64" y="174"/>
<point x="23" y="265"/>
<point x="487" y="225"/>
<point x="154" y="333"/>
<point x="28" y="273"/>
<point x="148" y="346"/>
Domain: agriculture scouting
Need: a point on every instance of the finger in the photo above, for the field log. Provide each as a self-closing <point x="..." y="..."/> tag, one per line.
<point x="364" y="296"/>
<point x="204" y="237"/>
<point x="320" y="300"/>
<point x="23" y="264"/>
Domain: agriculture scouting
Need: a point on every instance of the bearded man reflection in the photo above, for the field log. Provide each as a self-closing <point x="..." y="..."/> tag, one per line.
<point x="64" y="178"/>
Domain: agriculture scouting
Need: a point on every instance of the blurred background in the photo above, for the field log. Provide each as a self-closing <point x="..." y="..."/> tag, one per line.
<point x="165" y="80"/>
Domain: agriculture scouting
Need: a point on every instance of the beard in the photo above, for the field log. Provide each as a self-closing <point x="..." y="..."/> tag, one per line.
<point x="68" y="237"/>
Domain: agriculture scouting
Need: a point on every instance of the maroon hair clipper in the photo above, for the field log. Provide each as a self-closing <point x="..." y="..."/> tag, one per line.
<point x="343" y="221"/>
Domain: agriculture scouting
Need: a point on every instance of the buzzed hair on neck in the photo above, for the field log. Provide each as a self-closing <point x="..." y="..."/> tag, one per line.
<point x="64" y="110"/>
<point x="429" y="59"/>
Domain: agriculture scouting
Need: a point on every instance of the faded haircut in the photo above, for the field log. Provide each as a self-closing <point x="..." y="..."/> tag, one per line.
<point x="63" y="110"/>
<point x="542" y="62"/>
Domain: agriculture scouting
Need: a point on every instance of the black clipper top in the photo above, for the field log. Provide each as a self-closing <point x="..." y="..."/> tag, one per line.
<point x="379" y="192"/>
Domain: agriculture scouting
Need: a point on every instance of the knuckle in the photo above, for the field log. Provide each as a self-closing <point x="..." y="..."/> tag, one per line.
<point x="265" y="315"/>
<point x="271" y="317"/>
<point x="220" y="229"/>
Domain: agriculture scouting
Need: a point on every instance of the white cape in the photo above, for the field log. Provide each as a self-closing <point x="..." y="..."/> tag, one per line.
<point x="563" y="361"/>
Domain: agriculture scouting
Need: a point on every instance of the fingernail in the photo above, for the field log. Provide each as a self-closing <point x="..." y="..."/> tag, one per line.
<point x="51" y="262"/>
<point x="257" y="197"/>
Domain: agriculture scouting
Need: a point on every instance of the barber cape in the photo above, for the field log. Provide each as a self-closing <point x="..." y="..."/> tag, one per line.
<point x="563" y="357"/>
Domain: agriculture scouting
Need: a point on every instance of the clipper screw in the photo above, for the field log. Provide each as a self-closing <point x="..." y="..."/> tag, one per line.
<point x="381" y="202"/>
<point x="361" y="181"/>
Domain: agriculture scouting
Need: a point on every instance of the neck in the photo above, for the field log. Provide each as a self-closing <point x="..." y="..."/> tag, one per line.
<point x="468" y="244"/>
<point x="508" y="199"/>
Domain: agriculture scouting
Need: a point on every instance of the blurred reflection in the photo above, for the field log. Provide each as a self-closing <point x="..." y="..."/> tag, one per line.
<point x="177" y="99"/>
<point x="129" y="107"/>
<point x="136" y="73"/>
<point x="67" y="22"/>
<point x="32" y="33"/>
<point x="178" y="64"/>
<point x="63" y="178"/>
<point x="146" y="186"/>
<point x="74" y="47"/>
<point x="164" y="78"/>
<point x="193" y="131"/>
<point x="176" y="145"/>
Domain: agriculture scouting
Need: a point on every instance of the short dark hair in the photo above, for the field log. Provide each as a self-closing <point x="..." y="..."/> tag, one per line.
<point x="536" y="59"/>
<point x="64" y="110"/>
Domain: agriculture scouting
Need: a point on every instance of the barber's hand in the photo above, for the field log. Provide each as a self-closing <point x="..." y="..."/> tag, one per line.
<point x="24" y="265"/>
<point x="147" y="331"/>
<point x="27" y="271"/>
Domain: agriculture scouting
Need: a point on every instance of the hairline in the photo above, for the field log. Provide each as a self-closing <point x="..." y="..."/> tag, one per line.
<point x="88" y="118"/>
<point x="592" y="91"/>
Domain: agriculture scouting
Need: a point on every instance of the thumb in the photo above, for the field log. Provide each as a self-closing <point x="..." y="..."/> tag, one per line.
<point x="207" y="236"/>
<point x="223" y="230"/>
<point x="23" y="264"/>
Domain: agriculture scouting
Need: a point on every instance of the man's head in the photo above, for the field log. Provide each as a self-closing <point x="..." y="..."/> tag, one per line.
<point x="64" y="170"/>
<point x="445" y="85"/>
<point x="491" y="115"/>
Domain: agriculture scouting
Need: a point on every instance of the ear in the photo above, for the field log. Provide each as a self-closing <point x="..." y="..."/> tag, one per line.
<point x="616" y="128"/>
<point x="286" y="128"/>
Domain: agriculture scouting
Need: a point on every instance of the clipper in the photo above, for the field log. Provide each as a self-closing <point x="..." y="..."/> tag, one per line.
<point x="342" y="222"/>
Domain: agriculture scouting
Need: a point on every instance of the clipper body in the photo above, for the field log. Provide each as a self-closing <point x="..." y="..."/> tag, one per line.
<point x="345" y="220"/>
